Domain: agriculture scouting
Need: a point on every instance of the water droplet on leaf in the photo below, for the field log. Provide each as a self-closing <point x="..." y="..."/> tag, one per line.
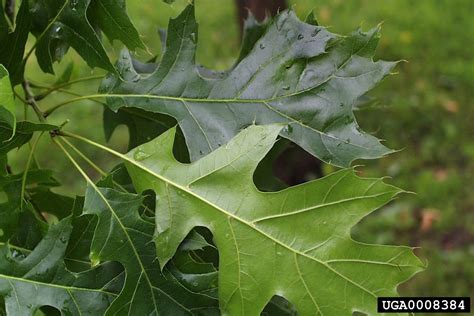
<point x="315" y="32"/>
<point x="300" y="36"/>
<point x="140" y="155"/>
<point x="262" y="46"/>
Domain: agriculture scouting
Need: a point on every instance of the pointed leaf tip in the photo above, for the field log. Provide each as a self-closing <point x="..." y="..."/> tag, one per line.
<point x="303" y="230"/>
<point x="276" y="79"/>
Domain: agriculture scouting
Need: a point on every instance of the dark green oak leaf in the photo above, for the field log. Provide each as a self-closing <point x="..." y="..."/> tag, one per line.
<point x="110" y="16"/>
<point x="23" y="225"/>
<point x="296" y="73"/>
<point x="124" y="236"/>
<point x="28" y="282"/>
<point x="47" y="201"/>
<point x="22" y="135"/>
<point x="293" y="243"/>
<point x="13" y="42"/>
<point x="20" y="227"/>
<point x="142" y="126"/>
<point x="74" y="22"/>
<point x="70" y="28"/>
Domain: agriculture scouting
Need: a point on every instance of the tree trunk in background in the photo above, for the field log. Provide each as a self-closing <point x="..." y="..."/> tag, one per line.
<point x="259" y="8"/>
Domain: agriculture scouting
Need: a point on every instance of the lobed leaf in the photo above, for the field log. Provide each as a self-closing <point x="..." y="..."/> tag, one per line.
<point x="295" y="73"/>
<point x="60" y="24"/>
<point x="293" y="243"/>
<point x="11" y="54"/>
<point x="123" y="235"/>
<point x="28" y="282"/>
<point x="110" y="16"/>
<point x="18" y="224"/>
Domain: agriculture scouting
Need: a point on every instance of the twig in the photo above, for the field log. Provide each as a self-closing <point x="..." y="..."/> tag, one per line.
<point x="30" y="99"/>
<point x="60" y="86"/>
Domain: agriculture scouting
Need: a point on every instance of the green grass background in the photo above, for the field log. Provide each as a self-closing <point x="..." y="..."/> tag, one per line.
<point x="426" y="110"/>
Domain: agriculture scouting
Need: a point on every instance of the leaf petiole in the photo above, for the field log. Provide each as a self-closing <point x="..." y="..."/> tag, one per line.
<point x="99" y="170"/>
<point x="61" y="86"/>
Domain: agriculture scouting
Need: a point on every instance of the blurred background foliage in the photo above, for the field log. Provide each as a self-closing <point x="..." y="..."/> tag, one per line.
<point x="427" y="110"/>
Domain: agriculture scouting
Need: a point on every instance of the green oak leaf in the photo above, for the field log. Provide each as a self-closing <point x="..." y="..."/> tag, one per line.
<point x="293" y="243"/>
<point x="7" y="103"/>
<point x="49" y="202"/>
<point x="73" y="25"/>
<point x="110" y="16"/>
<point x="296" y="73"/>
<point x="13" y="43"/>
<point x="21" y="228"/>
<point x="70" y="28"/>
<point x="78" y="249"/>
<point x="23" y="225"/>
<point x="124" y="236"/>
<point x="28" y="282"/>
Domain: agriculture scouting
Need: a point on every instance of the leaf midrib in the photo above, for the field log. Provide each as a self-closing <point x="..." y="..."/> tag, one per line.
<point x="129" y="240"/>
<point x="143" y="269"/>
<point x="311" y="208"/>
<point x="225" y="101"/>
<point x="249" y="224"/>
<point x="63" y="287"/>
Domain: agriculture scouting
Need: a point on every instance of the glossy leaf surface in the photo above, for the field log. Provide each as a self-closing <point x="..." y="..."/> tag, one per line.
<point x="295" y="73"/>
<point x="123" y="235"/>
<point x="60" y="24"/>
<point x="21" y="223"/>
<point x="28" y="282"/>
